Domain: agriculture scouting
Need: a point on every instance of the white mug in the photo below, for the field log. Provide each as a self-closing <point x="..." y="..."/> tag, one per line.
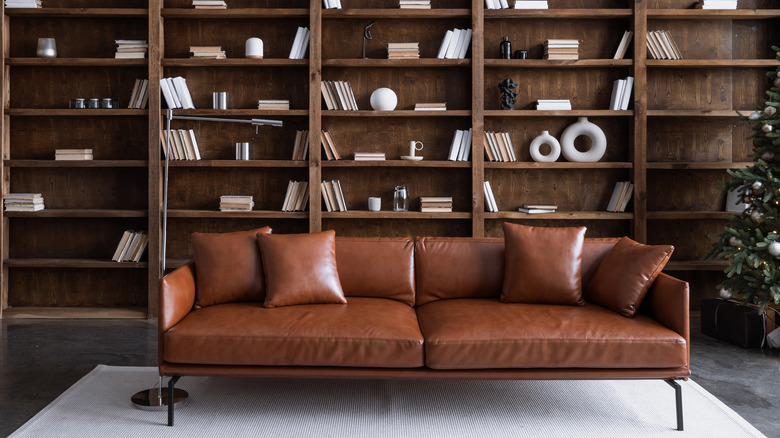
<point x="374" y="203"/>
<point x="413" y="147"/>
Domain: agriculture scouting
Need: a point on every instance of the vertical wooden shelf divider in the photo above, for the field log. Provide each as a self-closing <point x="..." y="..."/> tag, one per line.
<point x="6" y="154"/>
<point x="315" y="116"/>
<point x="154" y="250"/>
<point x="477" y="118"/>
<point x="639" y="125"/>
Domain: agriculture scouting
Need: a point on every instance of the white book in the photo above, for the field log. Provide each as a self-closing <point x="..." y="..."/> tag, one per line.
<point x="623" y="46"/>
<point x="455" y="146"/>
<point x="530" y="4"/>
<point x="504" y="4"/>
<point x="325" y="196"/>
<point x="184" y="93"/>
<point x="287" y="195"/>
<point x="626" y="197"/>
<point x="326" y="96"/>
<point x="297" y="42"/>
<point x="466" y="43"/>
<point x="509" y="145"/>
<point x="129" y="247"/>
<point x="140" y="248"/>
<point x="465" y="146"/>
<point x="143" y="95"/>
<point x="490" y="200"/>
<point x="445" y="44"/>
<point x="625" y="97"/>
<point x="453" y="46"/>
<point x="134" y="94"/>
<point x="342" y="203"/>
<point x="174" y="93"/>
<point x="166" y="91"/>
<point x="122" y="242"/>
<point x="194" y="144"/>
<point x="352" y="99"/>
<point x="617" y="94"/>
<point x="184" y="136"/>
<point x="345" y="105"/>
<point x="304" y="43"/>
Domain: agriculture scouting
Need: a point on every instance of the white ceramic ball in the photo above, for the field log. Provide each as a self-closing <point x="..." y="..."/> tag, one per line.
<point x="757" y="185"/>
<point x="767" y="128"/>
<point x="774" y="248"/>
<point x="756" y="216"/>
<point x="755" y="115"/>
<point x="724" y="293"/>
<point x="770" y="110"/>
<point x="383" y="99"/>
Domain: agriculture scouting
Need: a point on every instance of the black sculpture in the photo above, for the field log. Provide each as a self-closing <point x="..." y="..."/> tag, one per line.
<point x="367" y="36"/>
<point x="508" y="94"/>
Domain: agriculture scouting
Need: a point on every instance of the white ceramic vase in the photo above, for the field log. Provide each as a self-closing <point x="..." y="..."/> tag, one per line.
<point x="555" y="148"/>
<point x="254" y="48"/>
<point x="383" y="99"/>
<point x="594" y="133"/>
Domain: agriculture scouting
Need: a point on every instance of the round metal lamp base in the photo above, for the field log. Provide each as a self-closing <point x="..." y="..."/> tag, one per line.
<point x="149" y="399"/>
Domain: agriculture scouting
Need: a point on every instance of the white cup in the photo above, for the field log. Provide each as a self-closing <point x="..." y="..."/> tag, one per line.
<point x="374" y="203"/>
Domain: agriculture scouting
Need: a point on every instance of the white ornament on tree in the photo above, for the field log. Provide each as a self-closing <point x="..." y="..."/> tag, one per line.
<point x="724" y="293"/>
<point x="767" y="128"/>
<point x="756" y="216"/>
<point x="770" y="110"/>
<point x="755" y="115"/>
<point x="767" y="156"/>
<point x="774" y="248"/>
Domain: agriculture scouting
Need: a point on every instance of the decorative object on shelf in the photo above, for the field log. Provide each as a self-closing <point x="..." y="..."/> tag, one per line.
<point x="93" y="103"/>
<point x="383" y="99"/>
<point x="219" y="100"/>
<point x="47" y="48"/>
<point x="597" y="138"/>
<point x="77" y="103"/>
<point x="552" y="142"/>
<point x="374" y="203"/>
<point x="367" y="36"/>
<point x="412" y="149"/>
<point x="734" y="200"/>
<point x="436" y="204"/>
<point x="242" y="150"/>
<point x="254" y="48"/>
<point x="131" y="49"/>
<point x="236" y="203"/>
<point x="520" y="54"/>
<point x="401" y="199"/>
<point x="505" y="47"/>
<point x="508" y="94"/>
<point x="557" y="49"/>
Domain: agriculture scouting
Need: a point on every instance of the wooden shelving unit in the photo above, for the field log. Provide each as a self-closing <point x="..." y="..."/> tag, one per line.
<point x="675" y="142"/>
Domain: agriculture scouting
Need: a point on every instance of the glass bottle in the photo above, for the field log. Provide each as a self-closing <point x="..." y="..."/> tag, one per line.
<point x="401" y="199"/>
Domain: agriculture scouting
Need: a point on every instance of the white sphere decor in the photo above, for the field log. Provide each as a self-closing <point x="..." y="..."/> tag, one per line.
<point x="383" y="99"/>
<point x="594" y="133"/>
<point x="254" y="48"/>
<point x="555" y="148"/>
<point x="724" y="293"/>
<point x="774" y="248"/>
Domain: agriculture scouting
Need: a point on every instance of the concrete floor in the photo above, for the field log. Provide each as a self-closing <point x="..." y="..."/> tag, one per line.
<point x="39" y="359"/>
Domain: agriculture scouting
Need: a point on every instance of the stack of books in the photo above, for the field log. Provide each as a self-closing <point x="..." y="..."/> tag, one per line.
<point x="490" y="200"/>
<point x="537" y="208"/>
<point x="140" y="95"/>
<point x="561" y="49"/>
<point x="460" y="149"/>
<point x="131" y="49"/>
<point x="209" y="4"/>
<point x="297" y="196"/>
<point x="661" y="45"/>
<point x="73" y="154"/>
<point x="27" y="4"/>
<point x="717" y="4"/>
<point x="414" y="4"/>
<point x="331" y="4"/>
<point x="496" y="4"/>
<point x="300" y="43"/>
<point x="183" y="144"/>
<point x="23" y="201"/>
<point x="620" y="196"/>
<point x="623" y="45"/>
<point x="621" y="93"/>
<point x="403" y="50"/>
<point x="499" y="146"/>
<point x="131" y="246"/>
<point x="301" y="146"/>
<point x="329" y="146"/>
<point x="333" y="196"/>
<point x="207" y="52"/>
<point x="553" y="104"/>
<point x="370" y="156"/>
<point x="273" y="104"/>
<point x="455" y="44"/>
<point x="436" y="204"/>
<point x="531" y="4"/>
<point x="236" y="203"/>
<point x="338" y="95"/>
<point x="176" y="93"/>
<point x="430" y="106"/>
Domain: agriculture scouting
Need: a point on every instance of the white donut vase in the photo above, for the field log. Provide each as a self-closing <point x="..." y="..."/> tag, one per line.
<point x="536" y="144"/>
<point x="597" y="138"/>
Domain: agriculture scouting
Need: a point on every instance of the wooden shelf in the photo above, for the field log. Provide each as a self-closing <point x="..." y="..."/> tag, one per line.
<point x="695" y="113"/>
<point x="395" y="13"/>
<point x="237" y="163"/>
<point x="364" y="214"/>
<point x="574" y="215"/>
<point x="76" y="62"/>
<point x="265" y="214"/>
<point x="676" y="165"/>
<point x="711" y="63"/>
<point x="690" y="215"/>
<point x="396" y="113"/>
<point x="558" y="13"/>
<point x="66" y="112"/>
<point x="77" y="213"/>
<point x="230" y="113"/>
<point x="72" y="263"/>
<point x="241" y="13"/>
<point x="696" y="265"/>
<point x="397" y="163"/>
<point x="78" y="12"/>
<point x="401" y="63"/>
<point x="566" y="113"/>
<point x="701" y="14"/>
<point x="234" y="62"/>
<point x="556" y="165"/>
<point x="79" y="163"/>
<point x="75" y="313"/>
<point x="556" y="63"/>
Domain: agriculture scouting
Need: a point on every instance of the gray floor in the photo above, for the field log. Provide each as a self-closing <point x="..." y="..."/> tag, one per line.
<point x="39" y="359"/>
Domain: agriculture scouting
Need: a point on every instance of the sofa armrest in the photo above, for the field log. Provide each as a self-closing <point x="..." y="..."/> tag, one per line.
<point x="177" y="296"/>
<point x="669" y="303"/>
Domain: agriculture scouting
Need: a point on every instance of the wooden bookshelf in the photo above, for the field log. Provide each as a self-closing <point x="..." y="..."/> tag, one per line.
<point x="675" y="142"/>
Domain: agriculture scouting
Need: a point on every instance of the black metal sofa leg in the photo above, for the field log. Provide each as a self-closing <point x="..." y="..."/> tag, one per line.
<point x="171" y="384"/>
<point x="678" y="397"/>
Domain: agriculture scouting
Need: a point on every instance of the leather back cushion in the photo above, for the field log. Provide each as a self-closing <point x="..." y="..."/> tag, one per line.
<point x="464" y="267"/>
<point x="377" y="267"/>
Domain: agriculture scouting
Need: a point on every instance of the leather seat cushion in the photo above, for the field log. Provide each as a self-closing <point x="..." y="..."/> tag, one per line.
<point x="366" y="332"/>
<point x="486" y="333"/>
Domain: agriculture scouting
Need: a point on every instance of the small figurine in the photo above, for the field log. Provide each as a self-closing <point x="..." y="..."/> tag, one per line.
<point x="367" y="36"/>
<point x="508" y="94"/>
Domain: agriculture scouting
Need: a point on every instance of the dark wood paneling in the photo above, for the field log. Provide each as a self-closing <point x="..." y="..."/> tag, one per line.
<point x="680" y="139"/>
<point x="685" y="190"/>
<point x="688" y="4"/>
<point x="95" y="36"/>
<point x="749" y="88"/>
<point x="754" y="39"/>
<point x="397" y="227"/>
<point x="700" y="39"/>
<point x="685" y="89"/>
<point x="54" y="287"/>
<point x="596" y="228"/>
<point x="689" y="237"/>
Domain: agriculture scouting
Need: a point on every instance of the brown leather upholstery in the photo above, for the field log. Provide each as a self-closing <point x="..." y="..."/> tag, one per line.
<point x="376" y="267"/>
<point x="625" y="275"/>
<point x="229" y="267"/>
<point x="300" y="269"/>
<point x="367" y="332"/>
<point x="543" y="265"/>
<point x="485" y="333"/>
<point x="593" y="252"/>
<point x="177" y="296"/>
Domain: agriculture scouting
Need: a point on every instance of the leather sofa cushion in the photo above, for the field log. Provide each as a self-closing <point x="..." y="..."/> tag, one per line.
<point x="486" y="333"/>
<point x="543" y="265"/>
<point x="300" y="269"/>
<point x="367" y="332"/>
<point x="625" y="275"/>
<point x="228" y="267"/>
<point x="376" y="267"/>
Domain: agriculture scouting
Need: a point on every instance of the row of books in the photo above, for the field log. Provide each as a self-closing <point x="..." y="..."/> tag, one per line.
<point x="131" y="246"/>
<point x="73" y="155"/>
<point x="433" y="106"/>
<point x="661" y="45"/>
<point x="499" y="146"/>
<point x="621" y="93"/>
<point x="131" y="49"/>
<point x="717" y="4"/>
<point x="236" y="203"/>
<point x="300" y="43"/>
<point x="496" y="4"/>
<point x="461" y="145"/>
<point x="140" y="95"/>
<point x="183" y="145"/>
<point x="297" y="196"/>
<point x="403" y="50"/>
<point x="331" y="4"/>
<point x="537" y="208"/>
<point x="338" y="95"/>
<point x="301" y="146"/>
<point x="519" y="4"/>
<point x="436" y="204"/>
<point x="414" y="4"/>
<point x="370" y="156"/>
<point x="561" y="49"/>
<point x="26" y="4"/>
<point x="209" y="4"/>
<point x="490" y="200"/>
<point x="333" y="196"/>
<point x="553" y="104"/>
<point x="23" y="202"/>
<point x="329" y="146"/>
<point x="274" y="105"/>
<point x="207" y="52"/>
<point x="455" y="44"/>
<point x="620" y="196"/>
<point x="176" y="93"/>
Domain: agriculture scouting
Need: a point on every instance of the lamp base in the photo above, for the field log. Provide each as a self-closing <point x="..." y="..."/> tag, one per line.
<point x="149" y="400"/>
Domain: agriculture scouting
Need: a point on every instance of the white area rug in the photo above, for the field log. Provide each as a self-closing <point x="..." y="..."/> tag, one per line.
<point x="99" y="406"/>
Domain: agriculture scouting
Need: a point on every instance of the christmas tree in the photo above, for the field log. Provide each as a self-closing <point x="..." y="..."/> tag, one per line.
<point x="751" y="242"/>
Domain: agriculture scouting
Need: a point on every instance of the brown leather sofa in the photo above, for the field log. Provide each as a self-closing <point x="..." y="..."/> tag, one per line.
<point x="425" y="308"/>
